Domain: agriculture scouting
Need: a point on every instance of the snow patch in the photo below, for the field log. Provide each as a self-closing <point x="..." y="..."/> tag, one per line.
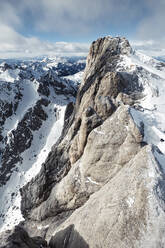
<point x="76" y="77"/>
<point x="89" y="179"/>
<point x="9" y="75"/>
<point x="99" y="132"/>
<point x="151" y="75"/>
<point x="130" y="201"/>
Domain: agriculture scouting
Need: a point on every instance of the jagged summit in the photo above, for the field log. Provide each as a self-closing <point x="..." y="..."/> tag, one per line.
<point x="102" y="184"/>
<point x="104" y="54"/>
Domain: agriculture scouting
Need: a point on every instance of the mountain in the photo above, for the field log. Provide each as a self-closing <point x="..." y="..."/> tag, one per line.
<point x="33" y="98"/>
<point x="102" y="184"/>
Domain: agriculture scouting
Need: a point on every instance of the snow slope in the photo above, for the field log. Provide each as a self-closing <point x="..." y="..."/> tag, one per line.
<point x="32" y="161"/>
<point x="151" y="108"/>
<point x="76" y="77"/>
<point x="33" y="96"/>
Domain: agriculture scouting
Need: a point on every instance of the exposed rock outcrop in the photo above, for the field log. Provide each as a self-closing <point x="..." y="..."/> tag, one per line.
<point x="68" y="238"/>
<point x="121" y="140"/>
<point x="124" y="212"/>
<point x="101" y="185"/>
<point x="96" y="101"/>
<point x="18" y="237"/>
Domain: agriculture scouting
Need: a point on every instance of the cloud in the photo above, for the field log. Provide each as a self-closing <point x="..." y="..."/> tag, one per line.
<point x="82" y="17"/>
<point x="15" y="45"/>
<point x="155" y="48"/>
<point x="8" y="14"/>
<point x="75" y="17"/>
<point x="150" y="35"/>
<point x="23" y="22"/>
<point x="152" y="26"/>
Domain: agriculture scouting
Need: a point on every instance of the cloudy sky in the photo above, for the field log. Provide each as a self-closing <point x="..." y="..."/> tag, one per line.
<point x="46" y="27"/>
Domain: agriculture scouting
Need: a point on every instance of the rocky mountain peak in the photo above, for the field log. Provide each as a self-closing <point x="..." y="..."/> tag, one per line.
<point x="102" y="184"/>
<point x="105" y="52"/>
<point x="110" y="45"/>
<point x="95" y="141"/>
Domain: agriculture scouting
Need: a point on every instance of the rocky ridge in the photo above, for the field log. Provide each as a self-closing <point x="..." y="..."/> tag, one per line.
<point x="102" y="184"/>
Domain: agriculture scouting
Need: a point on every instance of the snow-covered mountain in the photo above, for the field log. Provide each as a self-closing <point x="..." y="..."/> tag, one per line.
<point x="102" y="184"/>
<point x="150" y="107"/>
<point x="33" y="99"/>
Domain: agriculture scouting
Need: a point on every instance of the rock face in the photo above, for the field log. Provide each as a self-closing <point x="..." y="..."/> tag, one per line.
<point x="96" y="166"/>
<point x="122" y="212"/>
<point x="68" y="238"/>
<point x="96" y="101"/>
<point x="18" y="237"/>
<point x="101" y="185"/>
